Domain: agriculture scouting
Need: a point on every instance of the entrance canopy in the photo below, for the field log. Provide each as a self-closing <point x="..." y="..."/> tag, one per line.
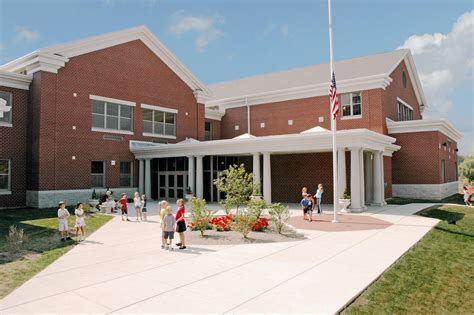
<point x="312" y="140"/>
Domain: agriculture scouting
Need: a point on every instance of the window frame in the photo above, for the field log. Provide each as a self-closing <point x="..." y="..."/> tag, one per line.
<point x="119" y="103"/>
<point x="165" y="111"/>
<point x="10" y="122"/>
<point x="103" y="174"/>
<point x="351" y="105"/>
<point x="130" y="184"/>
<point x="206" y="133"/>
<point x="406" y="106"/>
<point x="8" y="190"/>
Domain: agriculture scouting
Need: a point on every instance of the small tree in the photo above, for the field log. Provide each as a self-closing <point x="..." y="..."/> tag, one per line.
<point x="466" y="169"/>
<point x="278" y="215"/>
<point x="243" y="223"/>
<point x="256" y="206"/>
<point x="200" y="215"/>
<point x="237" y="184"/>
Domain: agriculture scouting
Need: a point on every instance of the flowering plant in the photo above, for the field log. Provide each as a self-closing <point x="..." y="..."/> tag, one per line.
<point x="221" y="223"/>
<point x="261" y="225"/>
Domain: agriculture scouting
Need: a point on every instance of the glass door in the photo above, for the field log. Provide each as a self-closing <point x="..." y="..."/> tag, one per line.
<point x="172" y="185"/>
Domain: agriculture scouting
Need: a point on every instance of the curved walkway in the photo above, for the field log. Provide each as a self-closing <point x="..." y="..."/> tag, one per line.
<point x="121" y="269"/>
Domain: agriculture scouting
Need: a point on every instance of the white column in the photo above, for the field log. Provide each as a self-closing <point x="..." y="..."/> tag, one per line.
<point x="356" y="205"/>
<point x="362" y="181"/>
<point x="267" y="178"/>
<point x="199" y="177"/>
<point x="369" y="183"/>
<point x="256" y="171"/>
<point x="148" y="178"/>
<point x="141" y="175"/>
<point x="191" y="174"/>
<point x="377" y="179"/>
<point x="341" y="171"/>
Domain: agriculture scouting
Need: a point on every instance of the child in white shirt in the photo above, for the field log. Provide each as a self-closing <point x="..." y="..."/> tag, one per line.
<point x="80" y="222"/>
<point x="63" y="216"/>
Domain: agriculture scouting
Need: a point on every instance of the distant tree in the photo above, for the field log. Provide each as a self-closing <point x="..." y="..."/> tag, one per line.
<point x="237" y="184"/>
<point x="466" y="168"/>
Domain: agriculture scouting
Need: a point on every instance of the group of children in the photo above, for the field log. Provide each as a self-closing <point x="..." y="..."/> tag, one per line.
<point x="170" y="224"/>
<point x="63" y="215"/>
<point x="140" y="206"/>
<point x="309" y="202"/>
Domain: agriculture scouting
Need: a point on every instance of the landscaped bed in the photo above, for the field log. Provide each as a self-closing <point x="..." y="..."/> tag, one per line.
<point x="435" y="277"/>
<point x="41" y="245"/>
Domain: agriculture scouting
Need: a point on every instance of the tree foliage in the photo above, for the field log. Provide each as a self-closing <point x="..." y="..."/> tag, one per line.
<point x="200" y="215"/>
<point x="466" y="168"/>
<point x="237" y="184"/>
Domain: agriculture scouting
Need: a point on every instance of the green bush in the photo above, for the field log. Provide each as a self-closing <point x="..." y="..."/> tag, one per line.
<point x="15" y="239"/>
<point x="256" y="205"/>
<point x="237" y="184"/>
<point x="200" y="215"/>
<point x="278" y="215"/>
<point x="243" y="223"/>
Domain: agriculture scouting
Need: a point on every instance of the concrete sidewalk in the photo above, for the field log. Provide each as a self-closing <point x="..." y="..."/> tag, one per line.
<point x="121" y="269"/>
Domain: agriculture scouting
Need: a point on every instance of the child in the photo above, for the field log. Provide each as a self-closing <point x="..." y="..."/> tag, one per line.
<point x="63" y="216"/>
<point x="124" y="206"/>
<point x="138" y="205"/>
<point x="467" y="196"/>
<point x="319" y="194"/>
<point x="180" y="224"/>
<point x="143" y="204"/>
<point x="163" y="206"/>
<point x="80" y="223"/>
<point x="305" y="205"/>
<point x="304" y="192"/>
<point x="169" y="225"/>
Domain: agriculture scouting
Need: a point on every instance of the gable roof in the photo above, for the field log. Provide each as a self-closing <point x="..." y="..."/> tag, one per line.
<point x="361" y="73"/>
<point x="53" y="58"/>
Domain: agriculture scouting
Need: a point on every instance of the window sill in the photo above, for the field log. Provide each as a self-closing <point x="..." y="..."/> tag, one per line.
<point x="4" y="124"/>
<point x="5" y="192"/>
<point x="146" y="134"/>
<point x="351" y="117"/>
<point x="122" y="132"/>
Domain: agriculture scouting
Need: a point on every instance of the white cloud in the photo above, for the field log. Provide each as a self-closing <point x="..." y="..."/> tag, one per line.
<point x="274" y="29"/>
<point x="206" y="28"/>
<point x="26" y="35"/>
<point x="284" y="30"/>
<point x="444" y="62"/>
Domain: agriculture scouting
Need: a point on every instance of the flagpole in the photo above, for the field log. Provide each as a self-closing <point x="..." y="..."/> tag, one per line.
<point x="333" y="121"/>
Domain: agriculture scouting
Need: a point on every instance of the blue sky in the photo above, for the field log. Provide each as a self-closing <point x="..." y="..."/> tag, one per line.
<point x="223" y="40"/>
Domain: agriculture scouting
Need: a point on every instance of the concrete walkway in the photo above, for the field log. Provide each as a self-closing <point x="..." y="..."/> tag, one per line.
<point x="121" y="269"/>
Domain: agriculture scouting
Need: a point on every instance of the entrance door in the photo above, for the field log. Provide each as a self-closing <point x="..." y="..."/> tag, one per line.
<point x="172" y="185"/>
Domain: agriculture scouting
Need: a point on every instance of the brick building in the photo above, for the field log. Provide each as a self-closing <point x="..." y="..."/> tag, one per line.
<point x="121" y="111"/>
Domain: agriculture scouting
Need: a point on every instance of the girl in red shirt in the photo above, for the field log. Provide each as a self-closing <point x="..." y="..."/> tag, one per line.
<point x="180" y="223"/>
<point x="123" y="206"/>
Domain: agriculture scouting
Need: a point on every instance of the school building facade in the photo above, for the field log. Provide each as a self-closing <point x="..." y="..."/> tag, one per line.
<point x="120" y="111"/>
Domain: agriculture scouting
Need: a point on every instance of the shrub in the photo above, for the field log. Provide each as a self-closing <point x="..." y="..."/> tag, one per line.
<point x="200" y="215"/>
<point x="243" y="223"/>
<point x="15" y="238"/>
<point x="237" y="184"/>
<point x="256" y="206"/>
<point x="261" y="225"/>
<point x="222" y="223"/>
<point x="278" y="215"/>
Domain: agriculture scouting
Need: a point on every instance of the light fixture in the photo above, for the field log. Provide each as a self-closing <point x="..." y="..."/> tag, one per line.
<point x="444" y="144"/>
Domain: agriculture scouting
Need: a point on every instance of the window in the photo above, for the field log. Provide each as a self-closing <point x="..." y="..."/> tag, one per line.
<point x="405" y="112"/>
<point x="7" y="116"/>
<point x="5" y="175"/>
<point x="207" y="131"/>
<point x="351" y="105"/>
<point x="159" y="123"/>
<point x="443" y="171"/>
<point x="97" y="174"/>
<point x="404" y="79"/>
<point x="126" y="174"/>
<point x="106" y="115"/>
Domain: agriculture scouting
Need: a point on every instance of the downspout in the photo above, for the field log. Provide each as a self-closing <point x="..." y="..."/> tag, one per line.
<point x="248" y="116"/>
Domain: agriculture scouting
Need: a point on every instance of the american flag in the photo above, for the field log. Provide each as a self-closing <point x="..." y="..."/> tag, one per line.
<point x="333" y="97"/>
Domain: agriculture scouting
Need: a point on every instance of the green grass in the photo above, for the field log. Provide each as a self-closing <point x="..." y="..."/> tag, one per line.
<point x="435" y="277"/>
<point x="455" y="199"/>
<point x="41" y="247"/>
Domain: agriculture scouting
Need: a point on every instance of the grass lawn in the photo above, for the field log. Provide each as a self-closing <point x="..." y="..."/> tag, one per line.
<point x="455" y="199"/>
<point x="435" y="277"/>
<point x="41" y="247"/>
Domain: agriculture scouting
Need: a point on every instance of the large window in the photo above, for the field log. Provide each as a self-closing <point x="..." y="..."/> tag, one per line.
<point x="112" y="116"/>
<point x="351" y="105"/>
<point x="97" y="174"/>
<point x="7" y="116"/>
<point x="5" y="175"/>
<point x="405" y="112"/>
<point x="161" y="123"/>
<point x="126" y="174"/>
<point x="207" y="131"/>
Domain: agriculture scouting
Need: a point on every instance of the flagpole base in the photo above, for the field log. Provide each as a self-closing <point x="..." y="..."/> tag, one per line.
<point x="335" y="221"/>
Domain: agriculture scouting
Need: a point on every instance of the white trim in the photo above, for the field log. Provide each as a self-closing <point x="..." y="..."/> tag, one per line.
<point x="15" y="80"/>
<point x="214" y="114"/>
<point x="156" y="135"/>
<point x="404" y="103"/>
<point x="5" y="192"/>
<point x="440" y="125"/>
<point x="104" y="130"/>
<point x="159" y="108"/>
<point x="4" y="124"/>
<point x="112" y="100"/>
<point x="351" y="117"/>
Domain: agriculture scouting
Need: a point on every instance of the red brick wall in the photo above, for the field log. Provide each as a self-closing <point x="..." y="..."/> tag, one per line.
<point x="419" y="159"/>
<point x="13" y="146"/>
<point x="305" y="114"/>
<point x="129" y="72"/>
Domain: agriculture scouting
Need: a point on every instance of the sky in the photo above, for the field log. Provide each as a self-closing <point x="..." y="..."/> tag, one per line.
<point x="230" y="39"/>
